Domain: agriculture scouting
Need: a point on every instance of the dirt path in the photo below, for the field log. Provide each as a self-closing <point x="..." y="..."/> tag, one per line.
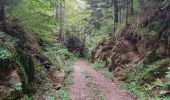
<point x="91" y="85"/>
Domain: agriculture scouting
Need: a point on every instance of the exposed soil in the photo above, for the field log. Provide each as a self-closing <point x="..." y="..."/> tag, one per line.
<point x="91" y="85"/>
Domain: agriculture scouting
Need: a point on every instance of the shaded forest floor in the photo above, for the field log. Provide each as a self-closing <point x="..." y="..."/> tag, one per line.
<point x="88" y="84"/>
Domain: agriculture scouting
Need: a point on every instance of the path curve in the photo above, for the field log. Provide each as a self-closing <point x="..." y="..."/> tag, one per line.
<point x="88" y="84"/>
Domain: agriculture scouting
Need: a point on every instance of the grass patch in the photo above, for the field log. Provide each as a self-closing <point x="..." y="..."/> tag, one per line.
<point x="135" y="89"/>
<point x="63" y="95"/>
<point x="102" y="70"/>
<point x="69" y="69"/>
<point x="68" y="80"/>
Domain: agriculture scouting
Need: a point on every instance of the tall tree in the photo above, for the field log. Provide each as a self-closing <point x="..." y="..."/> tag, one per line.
<point x="142" y="4"/>
<point x="116" y="11"/>
<point x="61" y="16"/>
<point x="120" y="11"/>
<point x="131" y="8"/>
<point x="127" y="11"/>
<point x="57" y="9"/>
<point x="2" y="15"/>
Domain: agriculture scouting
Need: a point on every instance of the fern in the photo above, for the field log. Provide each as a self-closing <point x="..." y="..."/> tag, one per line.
<point x="4" y="54"/>
<point x="168" y="76"/>
<point x="16" y="87"/>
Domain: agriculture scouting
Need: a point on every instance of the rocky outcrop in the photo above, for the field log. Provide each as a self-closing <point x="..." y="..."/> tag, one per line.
<point x="136" y="42"/>
<point x="122" y="54"/>
<point x="17" y="63"/>
<point x="8" y="81"/>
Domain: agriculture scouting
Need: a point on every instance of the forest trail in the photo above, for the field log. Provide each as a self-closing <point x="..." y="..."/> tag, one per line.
<point x="91" y="85"/>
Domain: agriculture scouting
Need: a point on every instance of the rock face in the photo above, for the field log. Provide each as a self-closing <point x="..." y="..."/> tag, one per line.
<point x="137" y="42"/>
<point x="17" y="62"/>
<point x="8" y="79"/>
<point x="122" y="54"/>
<point x="57" y="78"/>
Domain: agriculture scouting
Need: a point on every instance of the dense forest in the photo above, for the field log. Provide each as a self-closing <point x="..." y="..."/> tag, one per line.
<point x="84" y="49"/>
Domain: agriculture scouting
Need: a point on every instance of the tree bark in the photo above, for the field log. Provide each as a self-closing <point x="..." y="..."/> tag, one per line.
<point x="61" y="17"/>
<point x="116" y="13"/>
<point x="57" y="10"/>
<point x="142" y="4"/>
<point x="1" y="10"/>
<point x="120" y="11"/>
<point x="2" y="16"/>
<point x="127" y="11"/>
<point x="132" y="10"/>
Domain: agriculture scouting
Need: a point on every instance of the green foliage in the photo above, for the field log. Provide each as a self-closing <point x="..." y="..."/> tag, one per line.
<point x="119" y="30"/>
<point x="68" y="80"/>
<point x="35" y="15"/>
<point x="6" y="40"/>
<point x="63" y="95"/>
<point x="165" y="4"/>
<point x="102" y="70"/>
<point x="25" y="97"/>
<point x="45" y="38"/>
<point x="75" y="17"/>
<point x="168" y="73"/>
<point x="50" y="98"/>
<point x="168" y="76"/>
<point x="37" y="18"/>
<point x="142" y="79"/>
<point x="57" y="56"/>
<point x="101" y="98"/>
<point x="138" y="72"/>
<point x="4" y="54"/>
<point x="93" y="40"/>
<point x="16" y="87"/>
<point x="135" y="89"/>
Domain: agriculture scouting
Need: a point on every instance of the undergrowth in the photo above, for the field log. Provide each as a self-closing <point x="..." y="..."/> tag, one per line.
<point x="144" y="80"/>
<point x="102" y="70"/>
<point x="63" y="94"/>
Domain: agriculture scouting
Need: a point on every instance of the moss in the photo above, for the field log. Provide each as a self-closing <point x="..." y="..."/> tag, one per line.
<point x="24" y="64"/>
<point x="13" y="54"/>
<point x="27" y="68"/>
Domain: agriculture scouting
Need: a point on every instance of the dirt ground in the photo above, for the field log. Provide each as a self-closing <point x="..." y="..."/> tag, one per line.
<point x="91" y="85"/>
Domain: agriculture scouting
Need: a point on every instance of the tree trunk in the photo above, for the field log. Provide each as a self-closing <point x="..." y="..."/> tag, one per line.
<point x="142" y="4"/>
<point x="57" y="10"/>
<point x="116" y="10"/>
<point x="127" y="11"/>
<point x="2" y="16"/>
<point x="61" y="16"/>
<point x="120" y="16"/>
<point x="116" y="13"/>
<point x="1" y="11"/>
<point x="120" y="11"/>
<point x="132" y="11"/>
